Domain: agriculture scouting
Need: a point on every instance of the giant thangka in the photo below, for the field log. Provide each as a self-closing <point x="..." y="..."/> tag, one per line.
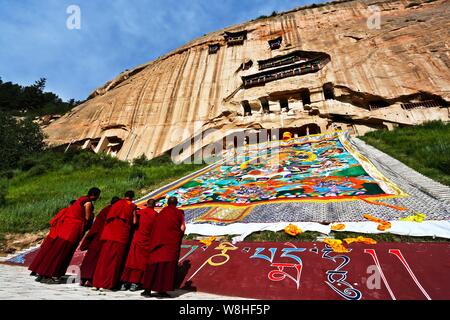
<point x="314" y="182"/>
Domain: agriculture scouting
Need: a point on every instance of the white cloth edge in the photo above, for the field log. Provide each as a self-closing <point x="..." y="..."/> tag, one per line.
<point x="439" y="229"/>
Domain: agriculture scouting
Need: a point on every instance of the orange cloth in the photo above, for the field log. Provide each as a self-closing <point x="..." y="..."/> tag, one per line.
<point x="338" y="227"/>
<point x="336" y="245"/>
<point x="384" y="204"/>
<point x="208" y="241"/>
<point x="292" y="230"/>
<point x="360" y="239"/>
<point x="382" y="224"/>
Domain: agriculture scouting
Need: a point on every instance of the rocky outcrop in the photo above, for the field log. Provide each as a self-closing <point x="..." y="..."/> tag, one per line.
<point x="347" y="74"/>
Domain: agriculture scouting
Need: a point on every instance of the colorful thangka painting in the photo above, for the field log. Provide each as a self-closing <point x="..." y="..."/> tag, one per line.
<point x="312" y="168"/>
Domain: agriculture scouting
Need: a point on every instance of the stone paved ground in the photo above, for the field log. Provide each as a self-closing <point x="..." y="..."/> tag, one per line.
<point x="15" y="284"/>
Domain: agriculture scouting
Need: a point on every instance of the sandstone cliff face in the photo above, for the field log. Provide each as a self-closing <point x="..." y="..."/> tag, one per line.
<point x="370" y="74"/>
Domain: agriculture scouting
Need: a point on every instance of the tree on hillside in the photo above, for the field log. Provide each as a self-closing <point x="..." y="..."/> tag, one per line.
<point x="18" y="138"/>
<point x="32" y="100"/>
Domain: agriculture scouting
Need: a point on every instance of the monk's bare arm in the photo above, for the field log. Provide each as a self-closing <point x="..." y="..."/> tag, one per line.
<point x="88" y="211"/>
<point x="135" y="220"/>
<point x="183" y="225"/>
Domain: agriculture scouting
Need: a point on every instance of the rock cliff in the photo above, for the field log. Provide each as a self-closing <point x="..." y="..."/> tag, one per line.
<point x="357" y="65"/>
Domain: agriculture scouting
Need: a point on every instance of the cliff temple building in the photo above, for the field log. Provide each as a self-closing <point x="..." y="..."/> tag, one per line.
<point x="306" y="71"/>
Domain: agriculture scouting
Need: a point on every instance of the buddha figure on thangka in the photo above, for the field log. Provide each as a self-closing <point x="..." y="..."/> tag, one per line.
<point x="314" y="168"/>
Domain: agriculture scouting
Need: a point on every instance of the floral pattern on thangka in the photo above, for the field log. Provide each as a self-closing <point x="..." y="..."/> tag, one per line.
<point x="297" y="169"/>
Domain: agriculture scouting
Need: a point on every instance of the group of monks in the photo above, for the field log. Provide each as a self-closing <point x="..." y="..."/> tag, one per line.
<point x="127" y="248"/>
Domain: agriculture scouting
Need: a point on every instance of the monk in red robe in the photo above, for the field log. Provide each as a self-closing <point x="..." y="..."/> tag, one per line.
<point x="136" y="263"/>
<point x="46" y="244"/>
<point x="115" y="237"/>
<point x="165" y="245"/>
<point x="93" y="245"/>
<point x="70" y="231"/>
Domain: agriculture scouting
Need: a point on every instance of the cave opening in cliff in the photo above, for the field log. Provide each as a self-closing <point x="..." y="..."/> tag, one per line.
<point x="377" y="104"/>
<point x="275" y="43"/>
<point x="328" y="91"/>
<point x="305" y="96"/>
<point x="247" y="64"/>
<point x="213" y="48"/>
<point x="284" y="105"/>
<point x="235" y="38"/>
<point x="90" y="144"/>
<point x="247" y="108"/>
<point x="265" y="105"/>
<point x="114" y="145"/>
<point x="111" y="145"/>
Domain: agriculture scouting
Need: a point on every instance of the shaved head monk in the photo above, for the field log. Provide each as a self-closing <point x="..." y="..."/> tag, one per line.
<point x="44" y="249"/>
<point x="71" y="228"/>
<point x="115" y="236"/>
<point x="136" y="263"/>
<point x="165" y="244"/>
<point x="93" y="245"/>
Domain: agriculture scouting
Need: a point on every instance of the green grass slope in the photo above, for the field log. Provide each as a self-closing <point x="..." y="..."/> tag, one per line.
<point x="425" y="148"/>
<point x="44" y="185"/>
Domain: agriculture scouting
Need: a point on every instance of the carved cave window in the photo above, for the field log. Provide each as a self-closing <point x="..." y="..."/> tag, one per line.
<point x="275" y="43"/>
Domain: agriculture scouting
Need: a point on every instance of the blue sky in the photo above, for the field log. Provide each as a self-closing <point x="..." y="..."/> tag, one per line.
<point x="115" y="35"/>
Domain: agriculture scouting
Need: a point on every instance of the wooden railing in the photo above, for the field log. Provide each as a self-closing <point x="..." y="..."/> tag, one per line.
<point x="421" y="104"/>
<point x="284" y="72"/>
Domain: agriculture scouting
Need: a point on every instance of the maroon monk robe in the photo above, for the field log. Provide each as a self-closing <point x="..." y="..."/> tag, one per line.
<point x="136" y="263"/>
<point x="44" y="249"/>
<point x="165" y="244"/>
<point x="115" y="237"/>
<point x="93" y="245"/>
<point x="69" y="234"/>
